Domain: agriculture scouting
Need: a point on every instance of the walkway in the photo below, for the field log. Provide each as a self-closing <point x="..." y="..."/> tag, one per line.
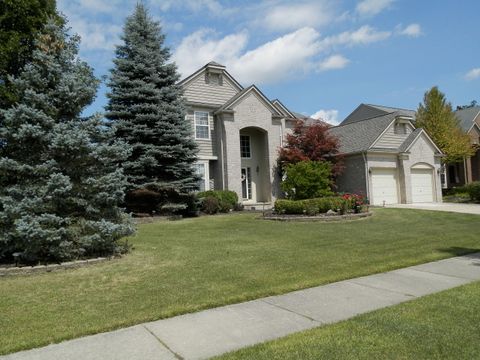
<point x="452" y="207"/>
<point x="216" y="331"/>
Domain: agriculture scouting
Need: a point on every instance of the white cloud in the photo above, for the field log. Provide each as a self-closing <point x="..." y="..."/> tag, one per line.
<point x="299" y="15"/>
<point x="364" y="35"/>
<point x="268" y="63"/>
<point x="473" y="74"/>
<point x="278" y="59"/>
<point x="96" y="36"/>
<point x="333" y="62"/>
<point x="212" y="6"/>
<point x="372" y="7"/>
<point x="412" y="30"/>
<point x="201" y="47"/>
<point x="329" y="116"/>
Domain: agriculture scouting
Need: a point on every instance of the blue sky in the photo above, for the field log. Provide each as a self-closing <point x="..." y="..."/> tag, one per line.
<point x="321" y="57"/>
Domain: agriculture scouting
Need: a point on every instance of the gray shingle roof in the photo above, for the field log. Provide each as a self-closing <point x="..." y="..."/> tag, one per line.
<point x="409" y="140"/>
<point x="467" y="117"/>
<point x="368" y="111"/>
<point x="359" y="136"/>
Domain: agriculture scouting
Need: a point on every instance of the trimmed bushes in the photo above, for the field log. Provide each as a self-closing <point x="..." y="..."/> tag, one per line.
<point x="215" y="201"/>
<point x="473" y="190"/>
<point x="311" y="207"/>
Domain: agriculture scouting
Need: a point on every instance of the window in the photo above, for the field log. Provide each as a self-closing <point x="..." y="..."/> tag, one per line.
<point x="245" y="147"/>
<point x="246" y="183"/>
<point x="202" y="127"/>
<point x="200" y="171"/>
<point x="400" y="129"/>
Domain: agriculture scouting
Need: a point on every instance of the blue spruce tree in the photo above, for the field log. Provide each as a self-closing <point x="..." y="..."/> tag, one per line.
<point x="147" y="110"/>
<point x="60" y="185"/>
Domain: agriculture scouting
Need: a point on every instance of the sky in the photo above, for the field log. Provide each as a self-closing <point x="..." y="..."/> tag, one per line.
<point x="319" y="57"/>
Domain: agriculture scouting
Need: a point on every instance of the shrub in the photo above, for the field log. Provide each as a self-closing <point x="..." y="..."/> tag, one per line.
<point x="210" y="205"/>
<point x="473" y="190"/>
<point x="316" y="206"/>
<point x="226" y="200"/>
<point x="307" y="180"/>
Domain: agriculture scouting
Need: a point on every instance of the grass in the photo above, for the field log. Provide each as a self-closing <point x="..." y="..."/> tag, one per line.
<point x="439" y="326"/>
<point x="184" y="266"/>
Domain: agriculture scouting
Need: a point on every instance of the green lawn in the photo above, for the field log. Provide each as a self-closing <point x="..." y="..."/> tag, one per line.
<point x="440" y="326"/>
<point x="184" y="266"/>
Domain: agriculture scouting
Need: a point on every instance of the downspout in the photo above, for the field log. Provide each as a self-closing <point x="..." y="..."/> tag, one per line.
<point x="367" y="180"/>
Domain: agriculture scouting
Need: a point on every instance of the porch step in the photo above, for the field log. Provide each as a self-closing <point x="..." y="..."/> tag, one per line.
<point x="258" y="206"/>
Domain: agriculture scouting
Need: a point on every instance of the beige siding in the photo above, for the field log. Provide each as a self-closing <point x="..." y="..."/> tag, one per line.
<point x="206" y="148"/>
<point x="199" y="91"/>
<point x="390" y="140"/>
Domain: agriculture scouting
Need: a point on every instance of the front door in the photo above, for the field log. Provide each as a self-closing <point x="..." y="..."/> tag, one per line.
<point x="246" y="183"/>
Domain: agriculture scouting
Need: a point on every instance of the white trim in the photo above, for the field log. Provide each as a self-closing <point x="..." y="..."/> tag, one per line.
<point x="195" y="124"/>
<point x="383" y="133"/>
<point x="283" y="107"/>
<point x="207" y="157"/>
<point x="267" y="102"/>
<point x="206" y="174"/>
<point x="422" y="131"/>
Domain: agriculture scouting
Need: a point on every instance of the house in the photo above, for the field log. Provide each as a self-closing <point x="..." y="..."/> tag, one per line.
<point x="238" y="131"/>
<point x="387" y="158"/>
<point x="468" y="170"/>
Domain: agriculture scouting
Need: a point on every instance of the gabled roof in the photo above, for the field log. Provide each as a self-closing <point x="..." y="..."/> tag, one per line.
<point x="228" y="106"/>
<point x="368" y="111"/>
<point x="467" y="117"/>
<point x="282" y="108"/>
<point x="412" y="138"/>
<point x="359" y="136"/>
<point x="212" y="65"/>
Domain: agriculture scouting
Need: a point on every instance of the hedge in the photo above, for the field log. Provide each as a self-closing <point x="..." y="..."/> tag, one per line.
<point x="316" y="206"/>
<point x="473" y="190"/>
<point x="214" y="201"/>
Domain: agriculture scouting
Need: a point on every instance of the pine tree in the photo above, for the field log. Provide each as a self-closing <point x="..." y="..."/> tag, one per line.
<point x="147" y="110"/>
<point x="20" y="23"/>
<point x="435" y="115"/>
<point x="59" y="183"/>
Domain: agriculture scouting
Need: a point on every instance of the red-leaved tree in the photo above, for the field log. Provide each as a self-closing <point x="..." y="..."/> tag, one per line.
<point x="311" y="142"/>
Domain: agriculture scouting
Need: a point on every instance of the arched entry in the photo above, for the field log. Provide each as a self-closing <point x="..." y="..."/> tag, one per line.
<point x="255" y="166"/>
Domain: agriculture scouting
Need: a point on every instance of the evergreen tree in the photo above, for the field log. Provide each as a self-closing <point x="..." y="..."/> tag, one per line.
<point x="147" y="110"/>
<point x="59" y="183"/>
<point x="435" y="115"/>
<point x="20" y="23"/>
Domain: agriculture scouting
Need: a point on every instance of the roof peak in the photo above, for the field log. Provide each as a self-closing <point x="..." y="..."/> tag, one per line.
<point x="213" y="63"/>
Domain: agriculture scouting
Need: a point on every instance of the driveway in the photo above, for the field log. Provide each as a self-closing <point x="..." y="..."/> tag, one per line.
<point x="452" y="207"/>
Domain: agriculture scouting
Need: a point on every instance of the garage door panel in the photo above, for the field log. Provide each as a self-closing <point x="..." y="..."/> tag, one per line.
<point x="384" y="186"/>
<point x="422" y="185"/>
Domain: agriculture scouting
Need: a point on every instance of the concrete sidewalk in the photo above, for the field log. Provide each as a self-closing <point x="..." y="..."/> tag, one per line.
<point x="216" y="331"/>
<point x="443" y="206"/>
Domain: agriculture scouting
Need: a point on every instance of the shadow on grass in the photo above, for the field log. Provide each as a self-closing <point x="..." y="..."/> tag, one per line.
<point x="471" y="253"/>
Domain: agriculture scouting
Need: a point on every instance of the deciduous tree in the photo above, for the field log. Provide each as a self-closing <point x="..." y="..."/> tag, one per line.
<point x="435" y="115"/>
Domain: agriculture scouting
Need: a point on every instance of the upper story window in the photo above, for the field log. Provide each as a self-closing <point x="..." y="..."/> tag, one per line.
<point x="202" y="126"/>
<point x="245" y="151"/>
<point x="400" y="128"/>
<point x="213" y="78"/>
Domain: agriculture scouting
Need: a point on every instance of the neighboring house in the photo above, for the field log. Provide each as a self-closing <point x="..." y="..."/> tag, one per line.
<point x="387" y="158"/>
<point x="238" y="132"/>
<point x="468" y="170"/>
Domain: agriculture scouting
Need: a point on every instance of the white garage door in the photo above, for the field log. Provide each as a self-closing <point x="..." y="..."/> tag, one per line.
<point x="384" y="186"/>
<point x="422" y="185"/>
